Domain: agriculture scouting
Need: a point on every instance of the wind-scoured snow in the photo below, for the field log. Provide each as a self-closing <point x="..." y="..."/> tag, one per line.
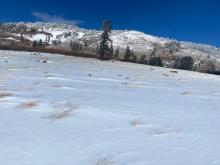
<point x="79" y="111"/>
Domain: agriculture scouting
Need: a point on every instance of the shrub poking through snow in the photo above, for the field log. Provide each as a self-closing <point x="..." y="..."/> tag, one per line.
<point x="62" y="111"/>
<point x="27" y="105"/>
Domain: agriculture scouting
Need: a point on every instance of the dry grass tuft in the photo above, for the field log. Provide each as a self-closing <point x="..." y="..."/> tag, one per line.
<point x="5" y="94"/>
<point x="27" y="105"/>
<point x="185" y="93"/>
<point x="63" y="111"/>
<point x="56" y="86"/>
<point x="173" y="71"/>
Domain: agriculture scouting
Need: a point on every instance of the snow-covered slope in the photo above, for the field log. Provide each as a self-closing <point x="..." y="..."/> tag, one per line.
<point x="141" y="43"/>
<point x="76" y="111"/>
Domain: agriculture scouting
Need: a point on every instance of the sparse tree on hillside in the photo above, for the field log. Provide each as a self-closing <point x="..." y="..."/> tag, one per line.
<point x="155" y="58"/>
<point x="143" y="59"/>
<point x="134" y="58"/>
<point x="34" y="44"/>
<point x="156" y="61"/>
<point x="116" y="55"/>
<point x="40" y="43"/>
<point x="128" y="54"/>
<point x="105" y="47"/>
<point x="33" y="30"/>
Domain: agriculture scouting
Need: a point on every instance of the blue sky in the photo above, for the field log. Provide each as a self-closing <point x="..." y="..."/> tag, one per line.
<point x="189" y="20"/>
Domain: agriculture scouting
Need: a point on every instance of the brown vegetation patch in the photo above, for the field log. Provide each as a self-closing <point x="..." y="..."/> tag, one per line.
<point x="173" y="71"/>
<point x="28" y="48"/>
<point x="56" y="86"/>
<point x="63" y="111"/>
<point x="5" y="94"/>
<point x="185" y="93"/>
<point x="27" y="105"/>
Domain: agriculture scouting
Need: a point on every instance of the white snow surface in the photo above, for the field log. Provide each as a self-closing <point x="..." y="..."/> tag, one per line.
<point x="79" y="111"/>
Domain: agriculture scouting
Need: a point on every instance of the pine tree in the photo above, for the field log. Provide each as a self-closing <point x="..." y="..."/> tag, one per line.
<point x="143" y="59"/>
<point x="128" y="54"/>
<point x="185" y="63"/>
<point x="106" y="47"/>
<point x="34" y="44"/>
<point x="116" y="55"/>
<point x="40" y="43"/>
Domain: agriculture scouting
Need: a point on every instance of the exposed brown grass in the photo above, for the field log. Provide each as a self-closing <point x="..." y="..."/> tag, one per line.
<point x="185" y="93"/>
<point x="173" y="71"/>
<point x="27" y="105"/>
<point x="29" y="48"/>
<point x="63" y="111"/>
<point x="5" y="94"/>
<point x="56" y="86"/>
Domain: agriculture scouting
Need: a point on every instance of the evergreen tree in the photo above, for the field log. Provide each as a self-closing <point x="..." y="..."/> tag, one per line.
<point x="134" y="58"/>
<point x="106" y="47"/>
<point x="156" y="61"/>
<point x="185" y="63"/>
<point x="128" y="54"/>
<point x="143" y="59"/>
<point x="34" y="44"/>
<point x="116" y="55"/>
<point x="40" y="43"/>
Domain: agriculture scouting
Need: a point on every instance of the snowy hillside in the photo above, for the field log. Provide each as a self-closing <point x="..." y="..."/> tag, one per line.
<point x="59" y="110"/>
<point x="139" y="42"/>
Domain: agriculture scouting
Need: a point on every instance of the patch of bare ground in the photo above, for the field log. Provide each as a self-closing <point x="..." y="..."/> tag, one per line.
<point x="62" y="111"/>
<point x="27" y="105"/>
<point x="5" y="95"/>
